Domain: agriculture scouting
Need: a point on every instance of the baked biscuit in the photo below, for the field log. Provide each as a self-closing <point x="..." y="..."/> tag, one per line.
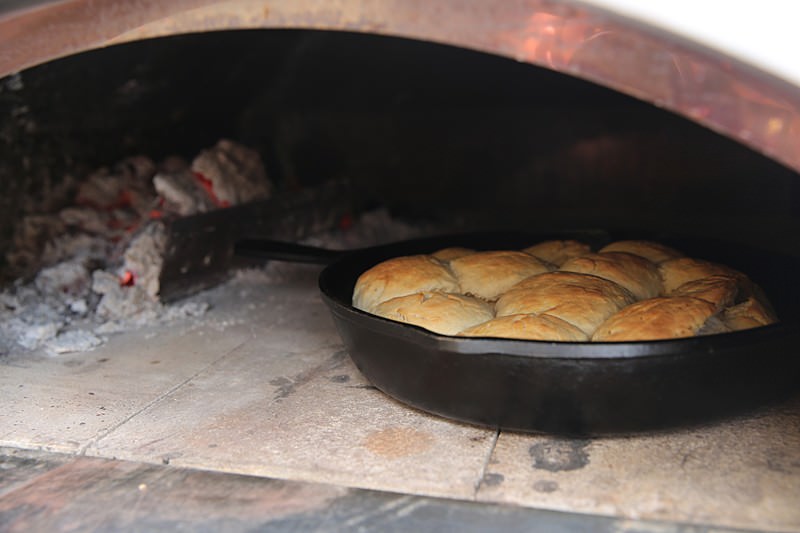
<point x="489" y="274"/>
<point x="618" y="294"/>
<point x="721" y="291"/>
<point x="713" y="326"/>
<point x="652" y="251"/>
<point x="676" y="272"/>
<point x="748" y="314"/>
<point x="557" y="252"/>
<point x="527" y="327"/>
<point x="402" y="276"/>
<point x="657" y="318"/>
<point x="635" y="273"/>
<point x="583" y="300"/>
<point x="448" y="254"/>
<point x="436" y="311"/>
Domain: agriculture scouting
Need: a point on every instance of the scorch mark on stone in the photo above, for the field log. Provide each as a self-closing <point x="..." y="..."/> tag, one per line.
<point x="286" y="386"/>
<point x="545" y="485"/>
<point x="558" y="455"/>
<point x="396" y="442"/>
<point x="491" y="479"/>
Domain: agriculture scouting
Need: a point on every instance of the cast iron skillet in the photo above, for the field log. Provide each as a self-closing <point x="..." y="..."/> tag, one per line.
<point x="564" y="387"/>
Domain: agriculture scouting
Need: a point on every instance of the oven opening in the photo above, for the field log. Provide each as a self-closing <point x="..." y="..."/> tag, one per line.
<point x="414" y="138"/>
<point x="131" y="332"/>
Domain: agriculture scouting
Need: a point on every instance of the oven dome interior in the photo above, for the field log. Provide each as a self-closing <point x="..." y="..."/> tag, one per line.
<point x="427" y="130"/>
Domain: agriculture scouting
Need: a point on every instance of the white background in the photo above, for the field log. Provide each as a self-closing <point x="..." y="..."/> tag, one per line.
<point x="765" y="33"/>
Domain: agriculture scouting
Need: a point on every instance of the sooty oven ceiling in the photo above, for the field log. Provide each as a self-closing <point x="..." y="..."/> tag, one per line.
<point x="428" y="130"/>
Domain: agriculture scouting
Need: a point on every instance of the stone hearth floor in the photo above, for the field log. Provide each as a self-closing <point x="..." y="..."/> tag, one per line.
<point x="261" y="386"/>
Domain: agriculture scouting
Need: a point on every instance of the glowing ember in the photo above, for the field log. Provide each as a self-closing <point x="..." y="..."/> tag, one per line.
<point x="127" y="279"/>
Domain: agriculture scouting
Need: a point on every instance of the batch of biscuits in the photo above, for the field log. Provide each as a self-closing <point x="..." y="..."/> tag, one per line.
<point x="560" y="290"/>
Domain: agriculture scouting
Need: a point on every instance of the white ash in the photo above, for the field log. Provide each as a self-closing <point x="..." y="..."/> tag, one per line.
<point x="57" y="313"/>
<point x="144" y="257"/>
<point x="374" y="228"/>
<point x="92" y="269"/>
<point x="112" y="204"/>
<point x="92" y="249"/>
<point x="235" y="171"/>
<point x="56" y="323"/>
<point x="41" y="241"/>
<point x="78" y="340"/>
<point x="27" y="319"/>
<point x="99" y="262"/>
<point x="184" y="310"/>
<point x="79" y="306"/>
<point x="127" y="185"/>
<point x="182" y="192"/>
<point x="68" y="281"/>
<point x="274" y="273"/>
<point x="101" y="190"/>
<point x="31" y="336"/>
<point x="369" y="229"/>
<point x="118" y="301"/>
<point x="90" y="221"/>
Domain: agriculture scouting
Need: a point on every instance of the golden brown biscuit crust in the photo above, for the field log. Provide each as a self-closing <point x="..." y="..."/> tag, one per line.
<point x="557" y="252"/>
<point x="594" y="294"/>
<point x="676" y="272"/>
<point x="638" y="275"/>
<point x="748" y="314"/>
<point x="583" y="300"/>
<point x="439" y="312"/>
<point x="652" y="251"/>
<point x="448" y="254"/>
<point x="402" y="276"/>
<point x="489" y="274"/>
<point x="528" y="327"/>
<point x="657" y="318"/>
<point x="719" y="290"/>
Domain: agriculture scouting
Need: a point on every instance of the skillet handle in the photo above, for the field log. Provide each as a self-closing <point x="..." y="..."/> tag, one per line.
<point x="285" y="251"/>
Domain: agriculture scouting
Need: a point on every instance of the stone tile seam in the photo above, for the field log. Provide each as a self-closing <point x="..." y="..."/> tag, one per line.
<point x="485" y="464"/>
<point x="158" y="399"/>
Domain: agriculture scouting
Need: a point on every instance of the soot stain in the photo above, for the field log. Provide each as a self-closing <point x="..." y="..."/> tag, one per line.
<point x="491" y="479"/>
<point x="285" y="387"/>
<point x="559" y="455"/>
<point x="545" y="485"/>
<point x="341" y="378"/>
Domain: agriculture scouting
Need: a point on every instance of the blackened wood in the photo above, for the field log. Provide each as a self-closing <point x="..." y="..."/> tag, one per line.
<point x="200" y="248"/>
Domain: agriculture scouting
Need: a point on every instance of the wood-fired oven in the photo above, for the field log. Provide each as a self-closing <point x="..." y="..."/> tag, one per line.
<point x="351" y="123"/>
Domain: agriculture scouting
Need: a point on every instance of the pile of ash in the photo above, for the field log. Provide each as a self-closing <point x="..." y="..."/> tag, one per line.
<point x="93" y="268"/>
